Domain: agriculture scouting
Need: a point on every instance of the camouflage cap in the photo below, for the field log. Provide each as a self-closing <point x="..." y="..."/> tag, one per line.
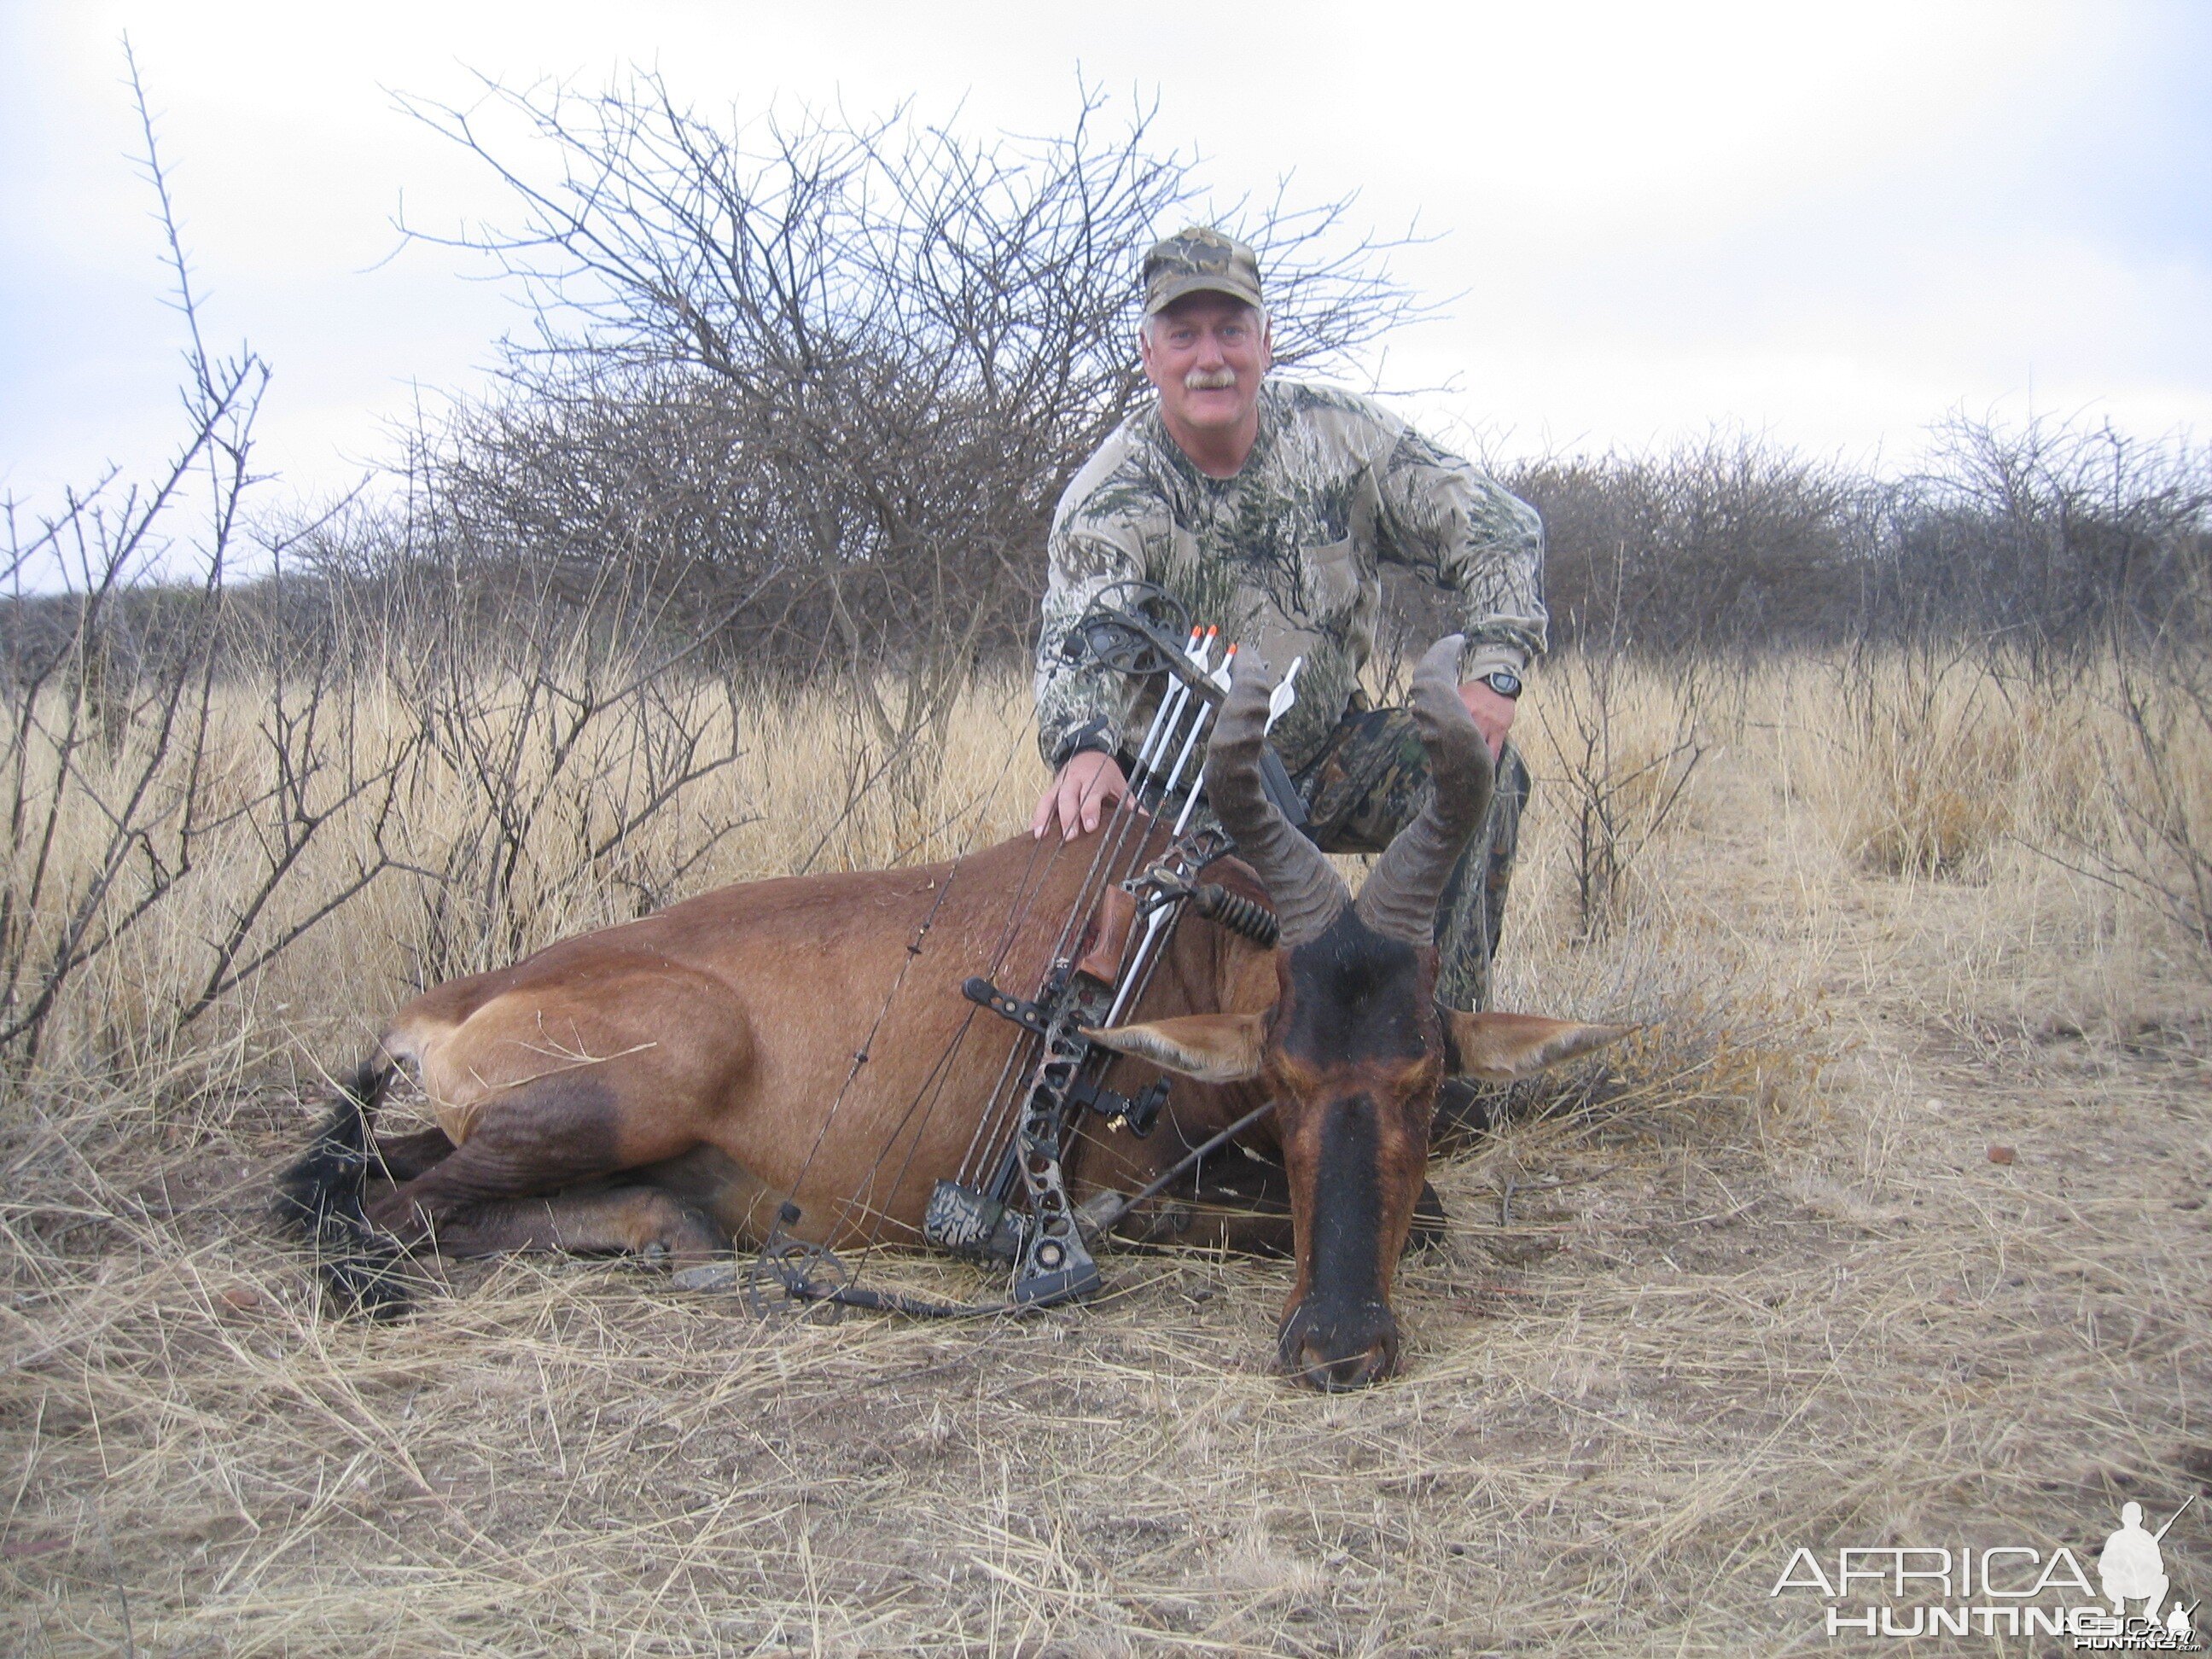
<point x="1200" y="260"/>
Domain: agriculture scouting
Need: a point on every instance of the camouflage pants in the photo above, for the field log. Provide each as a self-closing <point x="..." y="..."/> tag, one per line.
<point x="1369" y="780"/>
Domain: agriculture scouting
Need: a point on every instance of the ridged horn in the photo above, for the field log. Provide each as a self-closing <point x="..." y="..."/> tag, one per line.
<point x="1303" y="887"/>
<point x="1399" y="899"/>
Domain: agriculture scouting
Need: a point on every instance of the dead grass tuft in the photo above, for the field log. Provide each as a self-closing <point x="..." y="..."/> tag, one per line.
<point x="1935" y="801"/>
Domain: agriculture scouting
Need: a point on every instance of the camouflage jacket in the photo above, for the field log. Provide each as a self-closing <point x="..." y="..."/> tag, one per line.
<point x="1283" y="556"/>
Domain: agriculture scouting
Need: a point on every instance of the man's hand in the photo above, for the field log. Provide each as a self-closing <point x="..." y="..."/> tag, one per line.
<point x="1087" y="785"/>
<point x="1494" y="714"/>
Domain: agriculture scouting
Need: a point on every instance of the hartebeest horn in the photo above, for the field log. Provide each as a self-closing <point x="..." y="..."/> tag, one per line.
<point x="1303" y="886"/>
<point x="1399" y="899"/>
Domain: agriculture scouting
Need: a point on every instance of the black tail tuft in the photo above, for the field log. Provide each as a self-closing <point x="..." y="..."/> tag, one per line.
<point x="319" y="1200"/>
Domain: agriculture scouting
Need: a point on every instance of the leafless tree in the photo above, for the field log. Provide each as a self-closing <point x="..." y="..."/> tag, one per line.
<point x="111" y="787"/>
<point x="841" y="366"/>
<point x="2153" y="765"/>
<point x="1621" y="796"/>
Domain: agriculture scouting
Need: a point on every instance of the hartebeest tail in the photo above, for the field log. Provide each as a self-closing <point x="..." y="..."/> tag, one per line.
<point x="320" y="1198"/>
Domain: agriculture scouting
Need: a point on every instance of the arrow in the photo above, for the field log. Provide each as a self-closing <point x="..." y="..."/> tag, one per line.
<point x="1280" y="699"/>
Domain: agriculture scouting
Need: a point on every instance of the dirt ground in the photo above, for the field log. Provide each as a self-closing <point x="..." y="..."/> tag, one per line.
<point x="1891" y="1229"/>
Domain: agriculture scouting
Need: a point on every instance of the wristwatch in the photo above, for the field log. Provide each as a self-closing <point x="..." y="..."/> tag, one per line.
<point x="1503" y="681"/>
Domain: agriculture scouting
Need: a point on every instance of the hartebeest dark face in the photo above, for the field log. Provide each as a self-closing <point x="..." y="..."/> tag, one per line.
<point x="1352" y="1061"/>
<point x="1354" y="1047"/>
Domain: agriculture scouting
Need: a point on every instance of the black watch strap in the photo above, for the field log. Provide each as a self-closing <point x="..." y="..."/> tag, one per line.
<point x="1091" y="736"/>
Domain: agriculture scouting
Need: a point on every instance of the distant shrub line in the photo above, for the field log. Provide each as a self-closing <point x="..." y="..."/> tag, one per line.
<point x="2043" y="535"/>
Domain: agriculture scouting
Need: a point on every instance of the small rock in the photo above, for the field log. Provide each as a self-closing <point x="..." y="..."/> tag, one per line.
<point x="2001" y="1155"/>
<point x="241" y="1299"/>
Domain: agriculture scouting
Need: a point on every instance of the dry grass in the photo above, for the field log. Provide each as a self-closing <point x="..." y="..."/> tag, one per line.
<point x="1759" y="1286"/>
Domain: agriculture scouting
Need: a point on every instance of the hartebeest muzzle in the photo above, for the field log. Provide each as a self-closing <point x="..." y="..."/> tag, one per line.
<point x="1354" y="1047"/>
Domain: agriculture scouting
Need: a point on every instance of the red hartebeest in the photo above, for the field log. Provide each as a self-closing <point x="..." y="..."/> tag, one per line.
<point x="664" y="1085"/>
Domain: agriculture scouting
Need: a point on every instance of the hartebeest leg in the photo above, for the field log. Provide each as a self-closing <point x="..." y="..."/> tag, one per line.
<point x="1429" y="1231"/>
<point x="710" y="1181"/>
<point x="402" y="1158"/>
<point x="1207" y="1223"/>
<point x="1254" y="1219"/>
<point x="504" y="1187"/>
<point x="642" y="1220"/>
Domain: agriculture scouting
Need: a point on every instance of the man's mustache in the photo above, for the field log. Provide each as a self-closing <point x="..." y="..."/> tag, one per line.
<point x="1209" y="379"/>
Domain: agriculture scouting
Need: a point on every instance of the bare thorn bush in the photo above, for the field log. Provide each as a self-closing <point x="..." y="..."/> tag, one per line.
<point x="1616" y="744"/>
<point x="132" y="777"/>
<point x="2149" y="700"/>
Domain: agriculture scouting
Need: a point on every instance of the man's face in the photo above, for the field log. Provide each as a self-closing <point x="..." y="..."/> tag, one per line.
<point x="1207" y="353"/>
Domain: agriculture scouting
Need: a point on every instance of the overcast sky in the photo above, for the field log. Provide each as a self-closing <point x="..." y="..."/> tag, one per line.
<point x="1828" y="223"/>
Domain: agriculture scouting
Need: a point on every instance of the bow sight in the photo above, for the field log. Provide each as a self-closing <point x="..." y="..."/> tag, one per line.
<point x="1102" y="961"/>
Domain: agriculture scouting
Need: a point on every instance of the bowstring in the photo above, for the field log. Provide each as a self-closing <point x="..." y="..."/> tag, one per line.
<point x="998" y="1114"/>
<point x="1028" y="892"/>
<point x="994" y="1124"/>
<point x="1174" y="722"/>
<point x="933" y="1085"/>
<point x="1114" y="841"/>
<point x="912" y="954"/>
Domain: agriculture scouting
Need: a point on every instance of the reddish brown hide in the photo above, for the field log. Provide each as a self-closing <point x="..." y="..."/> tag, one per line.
<point x="663" y="1086"/>
<point x="703" y="1055"/>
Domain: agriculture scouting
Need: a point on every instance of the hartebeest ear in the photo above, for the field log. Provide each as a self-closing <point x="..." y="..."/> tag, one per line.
<point x="1212" y="1048"/>
<point x="1505" y="1047"/>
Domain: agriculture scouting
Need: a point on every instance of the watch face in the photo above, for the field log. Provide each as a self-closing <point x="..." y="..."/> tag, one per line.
<point x="1504" y="681"/>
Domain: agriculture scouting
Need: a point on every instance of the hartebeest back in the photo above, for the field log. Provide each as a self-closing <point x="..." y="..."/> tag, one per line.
<point x="664" y="1086"/>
